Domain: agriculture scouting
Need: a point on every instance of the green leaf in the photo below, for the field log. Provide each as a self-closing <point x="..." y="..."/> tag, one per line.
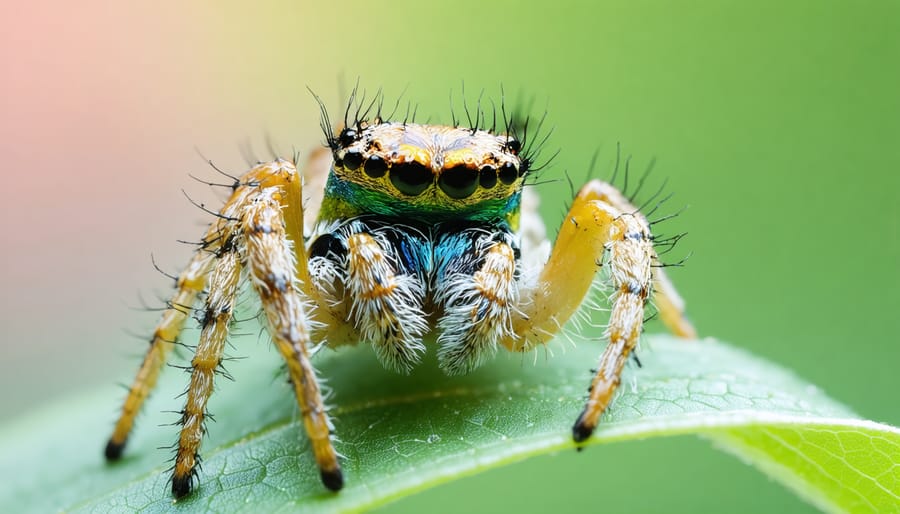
<point x="402" y="434"/>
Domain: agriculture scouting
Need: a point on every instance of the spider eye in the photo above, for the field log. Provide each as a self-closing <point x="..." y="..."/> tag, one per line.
<point x="352" y="160"/>
<point x="458" y="182"/>
<point x="513" y="145"/>
<point x="508" y="173"/>
<point x="347" y="137"/>
<point x="410" y="178"/>
<point x="487" y="177"/>
<point x="375" y="167"/>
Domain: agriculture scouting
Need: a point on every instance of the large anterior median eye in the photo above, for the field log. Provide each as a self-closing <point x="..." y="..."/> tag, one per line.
<point x="458" y="182"/>
<point x="410" y="178"/>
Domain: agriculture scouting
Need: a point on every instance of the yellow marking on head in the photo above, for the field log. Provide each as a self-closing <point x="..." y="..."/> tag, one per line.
<point x="432" y="164"/>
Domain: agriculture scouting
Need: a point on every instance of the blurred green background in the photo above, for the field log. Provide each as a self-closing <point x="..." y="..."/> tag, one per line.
<point x="777" y="123"/>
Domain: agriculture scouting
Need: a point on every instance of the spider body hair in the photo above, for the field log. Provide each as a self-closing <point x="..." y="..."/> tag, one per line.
<point x="403" y="232"/>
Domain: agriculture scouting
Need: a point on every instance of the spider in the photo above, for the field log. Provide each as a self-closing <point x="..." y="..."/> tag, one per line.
<point x="397" y="233"/>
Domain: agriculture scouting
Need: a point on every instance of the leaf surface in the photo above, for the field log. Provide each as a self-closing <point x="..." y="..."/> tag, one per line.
<point x="401" y="434"/>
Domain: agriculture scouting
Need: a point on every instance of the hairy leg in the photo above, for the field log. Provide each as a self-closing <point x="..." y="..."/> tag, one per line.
<point x="476" y="290"/>
<point x="236" y="236"/>
<point x="386" y="303"/>
<point x="271" y="261"/>
<point x="666" y="299"/>
<point x="223" y="288"/>
<point x="189" y="285"/>
<point x="600" y="222"/>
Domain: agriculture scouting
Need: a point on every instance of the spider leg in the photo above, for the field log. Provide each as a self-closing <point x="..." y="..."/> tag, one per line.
<point x="600" y="221"/>
<point x="665" y="298"/>
<point x="189" y="284"/>
<point x="671" y="306"/>
<point x="266" y="204"/>
<point x="476" y="291"/>
<point x="223" y="288"/>
<point x="315" y="174"/>
<point x="387" y="305"/>
<point x="271" y="260"/>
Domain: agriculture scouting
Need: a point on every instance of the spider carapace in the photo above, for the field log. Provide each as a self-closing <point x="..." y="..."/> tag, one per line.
<point x="418" y="233"/>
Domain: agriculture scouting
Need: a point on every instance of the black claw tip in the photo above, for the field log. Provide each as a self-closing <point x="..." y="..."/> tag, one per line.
<point x="114" y="450"/>
<point x="181" y="486"/>
<point x="333" y="480"/>
<point x="581" y="432"/>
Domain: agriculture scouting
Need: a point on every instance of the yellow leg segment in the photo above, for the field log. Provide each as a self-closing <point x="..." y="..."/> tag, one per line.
<point x="600" y="220"/>
<point x="280" y="176"/>
<point x="290" y="196"/>
<point x="272" y="269"/>
<point x="670" y="306"/>
<point x="666" y="299"/>
<point x="223" y="286"/>
<point x="190" y="283"/>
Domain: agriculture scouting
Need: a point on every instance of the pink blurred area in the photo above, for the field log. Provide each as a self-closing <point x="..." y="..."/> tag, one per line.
<point x="103" y="107"/>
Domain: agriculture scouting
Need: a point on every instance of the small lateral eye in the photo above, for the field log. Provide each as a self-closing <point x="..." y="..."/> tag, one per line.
<point x="411" y="178"/>
<point x="347" y="137"/>
<point x="458" y="182"/>
<point x="375" y="167"/>
<point x="513" y="145"/>
<point x="508" y="173"/>
<point x="487" y="177"/>
<point x="352" y="160"/>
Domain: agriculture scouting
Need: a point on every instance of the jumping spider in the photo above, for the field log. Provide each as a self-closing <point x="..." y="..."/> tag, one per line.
<point x="417" y="230"/>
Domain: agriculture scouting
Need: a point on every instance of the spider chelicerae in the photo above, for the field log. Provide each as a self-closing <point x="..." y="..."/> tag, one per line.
<point x="395" y="234"/>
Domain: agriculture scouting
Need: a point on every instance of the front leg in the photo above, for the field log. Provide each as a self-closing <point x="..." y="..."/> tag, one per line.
<point x="599" y="221"/>
<point x="476" y="290"/>
<point x="386" y="295"/>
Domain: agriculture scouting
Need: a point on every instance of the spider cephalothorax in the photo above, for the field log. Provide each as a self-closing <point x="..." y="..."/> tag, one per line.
<point x="425" y="216"/>
<point x="425" y="170"/>
<point x="418" y="233"/>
